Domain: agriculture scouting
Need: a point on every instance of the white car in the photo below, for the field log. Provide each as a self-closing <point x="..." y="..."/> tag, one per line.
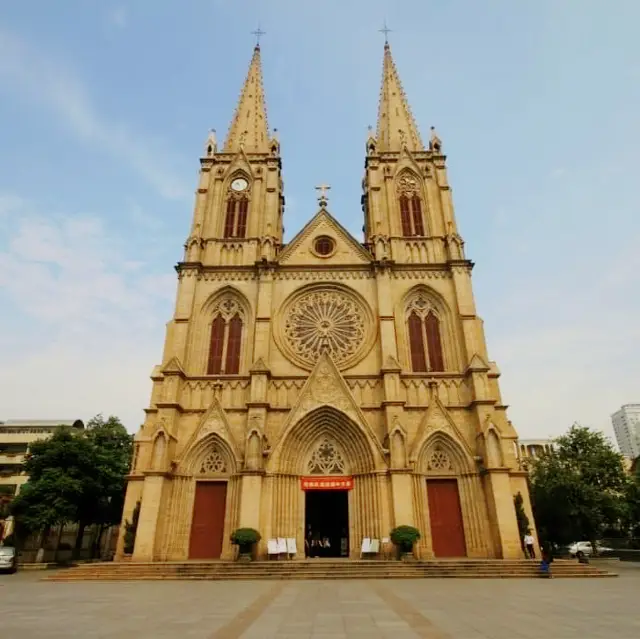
<point x="585" y="549"/>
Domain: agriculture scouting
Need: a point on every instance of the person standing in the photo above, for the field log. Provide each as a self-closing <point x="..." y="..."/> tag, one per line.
<point x="529" y="542"/>
<point x="547" y="560"/>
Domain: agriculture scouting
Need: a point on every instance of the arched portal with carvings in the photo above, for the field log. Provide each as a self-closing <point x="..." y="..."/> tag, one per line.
<point x="450" y="502"/>
<point x="326" y="461"/>
<point x="203" y="502"/>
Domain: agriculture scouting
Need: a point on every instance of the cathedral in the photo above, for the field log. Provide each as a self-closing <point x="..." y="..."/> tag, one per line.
<point x="324" y="386"/>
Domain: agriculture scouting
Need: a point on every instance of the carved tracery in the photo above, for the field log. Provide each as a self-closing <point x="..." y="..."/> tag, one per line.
<point x="439" y="461"/>
<point x="326" y="459"/>
<point x="213" y="464"/>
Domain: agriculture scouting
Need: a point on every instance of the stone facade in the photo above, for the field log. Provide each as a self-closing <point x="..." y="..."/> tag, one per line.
<point x="325" y="355"/>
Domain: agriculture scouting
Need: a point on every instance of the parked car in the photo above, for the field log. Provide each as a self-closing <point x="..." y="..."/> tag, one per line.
<point x="8" y="559"/>
<point x="585" y="549"/>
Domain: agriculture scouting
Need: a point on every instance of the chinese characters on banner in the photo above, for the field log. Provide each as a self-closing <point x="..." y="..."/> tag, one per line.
<point x="326" y="483"/>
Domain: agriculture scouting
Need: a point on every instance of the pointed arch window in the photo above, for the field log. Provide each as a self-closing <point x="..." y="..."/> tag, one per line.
<point x="225" y="347"/>
<point x="425" y="342"/>
<point x="235" y="221"/>
<point x="410" y="205"/>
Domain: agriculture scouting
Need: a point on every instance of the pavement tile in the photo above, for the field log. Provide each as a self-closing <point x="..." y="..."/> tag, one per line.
<point x="402" y="609"/>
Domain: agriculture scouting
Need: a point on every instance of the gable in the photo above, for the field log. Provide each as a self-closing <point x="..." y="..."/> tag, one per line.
<point x="213" y="421"/>
<point x="302" y="249"/>
<point x="326" y="387"/>
<point x="437" y="419"/>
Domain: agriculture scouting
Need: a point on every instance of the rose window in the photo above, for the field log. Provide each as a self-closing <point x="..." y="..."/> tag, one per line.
<point x="326" y="320"/>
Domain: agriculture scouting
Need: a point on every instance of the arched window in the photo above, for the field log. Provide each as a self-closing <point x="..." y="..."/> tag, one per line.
<point x="235" y="221"/>
<point x="425" y="342"/>
<point x="410" y="205"/>
<point x="226" y="338"/>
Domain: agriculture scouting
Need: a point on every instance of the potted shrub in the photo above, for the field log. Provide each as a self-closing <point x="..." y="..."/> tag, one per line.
<point x="404" y="538"/>
<point x="245" y="539"/>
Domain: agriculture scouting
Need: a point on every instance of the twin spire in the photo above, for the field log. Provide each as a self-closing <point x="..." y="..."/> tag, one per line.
<point x="396" y="127"/>
<point x="249" y="129"/>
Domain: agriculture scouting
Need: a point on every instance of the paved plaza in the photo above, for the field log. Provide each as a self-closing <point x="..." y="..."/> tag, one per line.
<point x="432" y="608"/>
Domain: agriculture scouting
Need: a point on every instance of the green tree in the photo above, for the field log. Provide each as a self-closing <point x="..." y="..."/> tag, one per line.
<point x="76" y="476"/>
<point x="112" y="448"/>
<point x="60" y="474"/>
<point x="523" y="521"/>
<point x="632" y="514"/>
<point x="579" y="488"/>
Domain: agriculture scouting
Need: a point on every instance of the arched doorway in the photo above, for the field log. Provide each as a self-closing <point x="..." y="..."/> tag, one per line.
<point x="326" y="511"/>
<point x="209" y="466"/>
<point x="451" y="499"/>
<point x="326" y="453"/>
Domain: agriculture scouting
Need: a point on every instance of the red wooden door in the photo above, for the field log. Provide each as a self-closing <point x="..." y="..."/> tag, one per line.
<point x="207" y="526"/>
<point x="447" y="531"/>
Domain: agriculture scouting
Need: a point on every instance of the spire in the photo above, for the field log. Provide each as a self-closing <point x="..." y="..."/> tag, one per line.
<point x="249" y="128"/>
<point x="396" y="126"/>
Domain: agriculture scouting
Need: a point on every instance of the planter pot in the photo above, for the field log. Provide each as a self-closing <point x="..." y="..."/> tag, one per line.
<point x="404" y="554"/>
<point x="245" y="553"/>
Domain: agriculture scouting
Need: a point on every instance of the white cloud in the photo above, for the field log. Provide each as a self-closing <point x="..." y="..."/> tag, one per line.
<point x="119" y="17"/>
<point x="87" y="319"/>
<point x="39" y="77"/>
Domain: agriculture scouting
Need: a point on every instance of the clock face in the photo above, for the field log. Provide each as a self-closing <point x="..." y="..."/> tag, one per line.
<point x="239" y="184"/>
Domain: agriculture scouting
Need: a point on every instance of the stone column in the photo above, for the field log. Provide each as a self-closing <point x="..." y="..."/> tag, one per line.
<point x="151" y="501"/>
<point x="504" y="525"/>
<point x="250" y="496"/>
<point x="402" y="489"/>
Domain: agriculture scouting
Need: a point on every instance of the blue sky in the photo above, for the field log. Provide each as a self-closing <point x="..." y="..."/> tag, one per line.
<point x="105" y="107"/>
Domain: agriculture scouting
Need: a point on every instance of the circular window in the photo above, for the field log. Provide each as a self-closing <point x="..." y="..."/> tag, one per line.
<point x="323" y="318"/>
<point x="324" y="245"/>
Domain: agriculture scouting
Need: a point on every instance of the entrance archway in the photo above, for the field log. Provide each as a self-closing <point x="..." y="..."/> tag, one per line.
<point x="328" y="446"/>
<point x="326" y="507"/>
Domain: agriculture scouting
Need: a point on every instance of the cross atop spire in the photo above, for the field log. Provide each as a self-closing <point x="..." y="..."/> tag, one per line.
<point x="258" y="33"/>
<point x="249" y="128"/>
<point x="396" y="126"/>
<point x="385" y="29"/>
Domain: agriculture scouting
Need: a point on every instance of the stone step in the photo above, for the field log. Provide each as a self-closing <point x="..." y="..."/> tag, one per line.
<point x="321" y="569"/>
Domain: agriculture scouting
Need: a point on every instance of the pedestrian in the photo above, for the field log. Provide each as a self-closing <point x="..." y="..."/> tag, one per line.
<point x="547" y="560"/>
<point x="529" y="542"/>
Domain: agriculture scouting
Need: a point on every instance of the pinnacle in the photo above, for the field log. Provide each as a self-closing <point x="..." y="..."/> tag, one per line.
<point x="249" y="128"/>
<point x="396" y="126"/>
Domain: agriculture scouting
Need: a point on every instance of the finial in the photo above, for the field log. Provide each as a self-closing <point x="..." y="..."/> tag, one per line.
<point x="386" y="32"/>
<point x="212" y="143"/>
<point x="258" y="33"/>
<point x="435" y="143"/>
<point x="322" y="198"/>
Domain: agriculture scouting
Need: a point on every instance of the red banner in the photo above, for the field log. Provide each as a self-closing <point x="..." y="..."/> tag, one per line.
<point x="326" y="483"/>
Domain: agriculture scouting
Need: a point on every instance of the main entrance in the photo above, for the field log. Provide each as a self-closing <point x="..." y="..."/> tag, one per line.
<point x="326" y="523"/>
<point x="207" y="526"/>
